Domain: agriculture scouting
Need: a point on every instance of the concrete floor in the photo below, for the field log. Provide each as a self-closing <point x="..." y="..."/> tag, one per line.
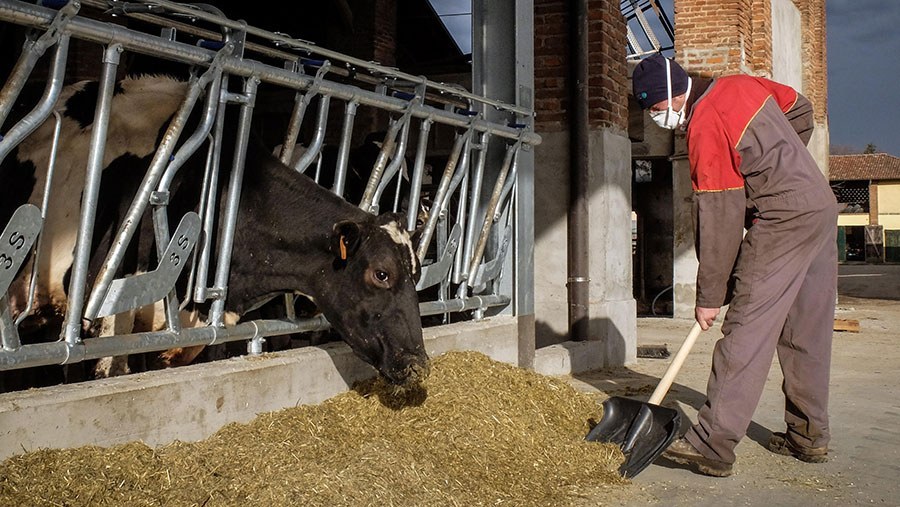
<point x="865" y="412"/>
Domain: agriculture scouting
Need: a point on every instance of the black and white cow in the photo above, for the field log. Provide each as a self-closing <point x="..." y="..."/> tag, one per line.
<point x="293" y="236"/>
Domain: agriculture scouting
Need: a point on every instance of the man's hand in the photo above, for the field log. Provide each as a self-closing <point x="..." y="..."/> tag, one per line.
<point x="706" y="316"/>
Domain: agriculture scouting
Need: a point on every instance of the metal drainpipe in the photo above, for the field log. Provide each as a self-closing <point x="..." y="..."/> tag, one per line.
<point x="579" y="173"/>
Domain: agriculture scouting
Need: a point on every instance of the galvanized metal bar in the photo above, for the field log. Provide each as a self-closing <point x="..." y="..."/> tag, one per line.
<point x="20" y="12"/>
<point x="394" y="167"/>
<point x="24" y="127"/>
<point x="160" y="215"/>
<point x="208" y="200"/>
<point x="461" y="180"/>
<point x="44" y="354"/>
<point x="387" y="148"/>
<point x="475" y="258"/>
<point x="343" y="158"/>
<point x="645" y="26"/>
<point x="223" y="266"/>
<point x="45" y="203"/>
<point x="9" y="332"/>
<point x="187" y="150"/>
<point x="133" y="216"/>
<point x="477" y="180"/>
<point x="301" y="102"/>
<point x="415" y="183"/>
<point x="441" y="195"/>
<point x="271" y="52"/>
<point x="78" y="281"/>
<point x="318" y="136"/>
<point x="508" y="186"/>
<point x="32" y="51"/>
<point x="284" y="41"/>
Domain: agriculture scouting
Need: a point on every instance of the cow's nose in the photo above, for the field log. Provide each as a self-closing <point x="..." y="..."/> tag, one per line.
<point x="411" y="370"/>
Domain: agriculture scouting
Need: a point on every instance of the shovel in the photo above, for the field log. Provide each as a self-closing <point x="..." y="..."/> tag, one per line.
<point x="643" y="429"/>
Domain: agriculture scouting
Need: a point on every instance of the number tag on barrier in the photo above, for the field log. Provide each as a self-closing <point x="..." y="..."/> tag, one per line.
<point x="141" y="290"/>
<point x="16" y="241"/>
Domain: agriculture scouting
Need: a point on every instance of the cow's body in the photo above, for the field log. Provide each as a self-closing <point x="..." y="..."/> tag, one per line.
<point x="131" y="137"/>
<point x="288" y="239"/>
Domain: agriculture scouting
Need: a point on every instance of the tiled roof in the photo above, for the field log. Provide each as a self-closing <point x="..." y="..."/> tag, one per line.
<point x="875" y="166"/>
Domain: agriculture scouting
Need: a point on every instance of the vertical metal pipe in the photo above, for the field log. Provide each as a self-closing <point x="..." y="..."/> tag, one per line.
<point x="78" y="280"/>
<point x="415" y="184"/>
<point x="290" y="137"/>
<point x="223" y="268"/>
<point x="209" y="202"/>
<point x="9" y="333"/>
<point x="512" y="153"/>
<point x="457" y="274"/>
<point x="579" y="178"/>
<point x="48" y="186"/>
<point x="477" y="179"/>
<point x="440" y="195"/>
<point x="340" y="172"/>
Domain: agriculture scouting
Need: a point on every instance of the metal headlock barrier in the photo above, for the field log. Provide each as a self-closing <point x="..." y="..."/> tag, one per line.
<point x="464" y="240"/>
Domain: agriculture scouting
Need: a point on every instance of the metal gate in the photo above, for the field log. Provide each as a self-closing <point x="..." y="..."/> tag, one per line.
<point x="464" y="242"/>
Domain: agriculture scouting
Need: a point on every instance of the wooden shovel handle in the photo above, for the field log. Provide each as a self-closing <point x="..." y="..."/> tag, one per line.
<point x="663" y="387"/>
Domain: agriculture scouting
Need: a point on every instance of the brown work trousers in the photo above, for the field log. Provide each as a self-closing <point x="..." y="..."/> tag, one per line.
<point x="784" y="295"/>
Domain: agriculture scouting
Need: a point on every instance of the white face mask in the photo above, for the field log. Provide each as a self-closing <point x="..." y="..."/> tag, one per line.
<point x="669" y="119"/>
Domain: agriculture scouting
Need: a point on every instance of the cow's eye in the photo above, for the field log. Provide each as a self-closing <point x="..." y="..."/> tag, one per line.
<point x="379" y="278"/>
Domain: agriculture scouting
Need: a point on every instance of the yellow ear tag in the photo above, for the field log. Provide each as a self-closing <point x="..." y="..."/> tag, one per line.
<point x="343" y="249"/>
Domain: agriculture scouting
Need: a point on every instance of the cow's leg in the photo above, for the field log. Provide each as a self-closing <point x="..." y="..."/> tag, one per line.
<point x="122" y="323"/>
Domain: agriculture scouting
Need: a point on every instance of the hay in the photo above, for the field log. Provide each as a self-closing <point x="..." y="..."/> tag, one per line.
<point x="479" y="432"/>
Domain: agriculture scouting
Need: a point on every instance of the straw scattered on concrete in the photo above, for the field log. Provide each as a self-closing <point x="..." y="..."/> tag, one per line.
<point x="479" y="432"/>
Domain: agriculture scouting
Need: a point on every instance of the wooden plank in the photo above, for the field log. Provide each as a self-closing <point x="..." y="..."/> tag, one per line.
<point x="850" y="325"/>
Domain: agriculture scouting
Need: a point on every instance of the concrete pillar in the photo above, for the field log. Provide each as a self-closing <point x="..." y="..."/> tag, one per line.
<point x="684" y="270"/>
<point x="612" y="306"/>
<point x="613" y="325"/>
<point x="550" y="237"/>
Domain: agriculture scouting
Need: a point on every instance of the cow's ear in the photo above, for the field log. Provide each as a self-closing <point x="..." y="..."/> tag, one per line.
<point x="398" y="218"/>
<point x="416" y="236"/>
<point x="345" y="239"/>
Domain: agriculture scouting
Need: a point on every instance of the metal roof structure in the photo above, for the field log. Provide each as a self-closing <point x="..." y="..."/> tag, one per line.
<point x="649" y="28"/>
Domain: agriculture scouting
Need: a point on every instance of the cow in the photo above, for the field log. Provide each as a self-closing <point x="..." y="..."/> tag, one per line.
<point x="293" y="236"/>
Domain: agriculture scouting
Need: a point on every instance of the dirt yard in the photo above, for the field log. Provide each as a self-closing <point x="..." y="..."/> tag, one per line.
<point x="864" y="468"/>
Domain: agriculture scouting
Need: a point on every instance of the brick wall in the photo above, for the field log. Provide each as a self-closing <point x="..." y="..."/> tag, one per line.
<point x="607" y="70"/>
<point x="717" y="37"/>
<point x="720" y="37"/>
<point x="815" y="65"/>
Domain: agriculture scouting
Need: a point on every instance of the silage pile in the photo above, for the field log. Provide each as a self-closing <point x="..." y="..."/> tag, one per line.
<point x="486" y="433"/>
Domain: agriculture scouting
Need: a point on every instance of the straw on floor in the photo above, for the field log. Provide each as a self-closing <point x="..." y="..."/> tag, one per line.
<point x="478" y="432"/>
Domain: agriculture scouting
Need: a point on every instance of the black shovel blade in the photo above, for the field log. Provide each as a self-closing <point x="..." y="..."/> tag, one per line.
<point x="643" y="430"/>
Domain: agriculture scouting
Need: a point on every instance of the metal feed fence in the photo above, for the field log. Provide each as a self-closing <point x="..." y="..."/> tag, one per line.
<point x="464" y="241"/>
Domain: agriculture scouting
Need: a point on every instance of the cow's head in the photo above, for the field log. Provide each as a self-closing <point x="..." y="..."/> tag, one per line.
<point x="371" y="299"/>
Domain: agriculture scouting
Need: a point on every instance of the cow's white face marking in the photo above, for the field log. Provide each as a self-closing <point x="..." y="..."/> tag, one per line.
<point x="401" y="237"/>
